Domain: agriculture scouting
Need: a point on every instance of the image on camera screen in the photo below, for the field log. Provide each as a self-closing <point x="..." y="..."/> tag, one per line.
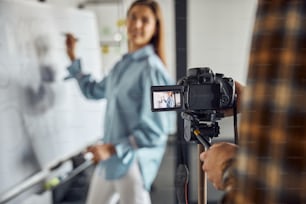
<point x="166" y="100"/>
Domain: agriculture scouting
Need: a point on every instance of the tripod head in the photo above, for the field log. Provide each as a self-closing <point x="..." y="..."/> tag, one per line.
<point x="201" y="127"/>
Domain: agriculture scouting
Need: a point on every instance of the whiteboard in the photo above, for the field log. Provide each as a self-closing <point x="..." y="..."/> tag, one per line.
<point x="43" y="119"/>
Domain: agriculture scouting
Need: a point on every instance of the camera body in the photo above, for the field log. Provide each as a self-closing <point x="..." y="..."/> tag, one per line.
<point x="200" y="91"/>
<point x="201" y="96"/>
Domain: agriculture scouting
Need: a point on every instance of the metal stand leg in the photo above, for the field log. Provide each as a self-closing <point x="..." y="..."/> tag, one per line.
<point x="202" y="181"/>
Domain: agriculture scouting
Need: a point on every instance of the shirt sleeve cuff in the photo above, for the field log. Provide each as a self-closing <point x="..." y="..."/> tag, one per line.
<point x="123" y="147"/>
<point x="123" y="153"/>
<point x="75" y="68"/>
<point x="229" y="175"/>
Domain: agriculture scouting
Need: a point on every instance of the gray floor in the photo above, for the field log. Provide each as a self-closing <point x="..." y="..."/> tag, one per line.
<point x="163" y="191"/>
<point x="163" y="188"/>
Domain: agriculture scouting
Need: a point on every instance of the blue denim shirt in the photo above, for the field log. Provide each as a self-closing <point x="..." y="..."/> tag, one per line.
<point x="136" y="131"/>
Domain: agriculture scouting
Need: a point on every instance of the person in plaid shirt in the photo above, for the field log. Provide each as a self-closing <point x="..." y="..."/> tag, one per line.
<point x="269" y="166"/>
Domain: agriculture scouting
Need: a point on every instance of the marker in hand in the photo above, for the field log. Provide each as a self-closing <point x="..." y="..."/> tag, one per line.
<point x="70" y="49"/>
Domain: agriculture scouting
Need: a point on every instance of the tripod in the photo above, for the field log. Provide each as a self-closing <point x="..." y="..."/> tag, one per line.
<point x="202" y="182"/>
<point x="201" y="128"/>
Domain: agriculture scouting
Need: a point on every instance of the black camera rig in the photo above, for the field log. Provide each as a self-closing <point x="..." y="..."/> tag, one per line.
<point x="201" y="96"/>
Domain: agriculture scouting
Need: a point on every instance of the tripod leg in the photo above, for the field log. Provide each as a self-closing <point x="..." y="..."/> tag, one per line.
<point x="202" y="181"/>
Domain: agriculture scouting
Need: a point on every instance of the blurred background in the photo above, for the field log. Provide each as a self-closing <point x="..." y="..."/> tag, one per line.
<point x="45" y="125"/>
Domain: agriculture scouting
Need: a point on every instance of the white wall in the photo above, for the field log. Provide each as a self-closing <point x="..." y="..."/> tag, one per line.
<point x="107" y="16"/>
<point x="61" y="3"/>
<point x="219" y="34"/>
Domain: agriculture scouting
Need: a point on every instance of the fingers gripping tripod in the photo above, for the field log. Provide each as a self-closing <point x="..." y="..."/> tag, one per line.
<point x="200" y="128"/>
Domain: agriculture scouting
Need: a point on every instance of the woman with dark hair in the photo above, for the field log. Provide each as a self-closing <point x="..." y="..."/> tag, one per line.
<point x="135" y="138"/>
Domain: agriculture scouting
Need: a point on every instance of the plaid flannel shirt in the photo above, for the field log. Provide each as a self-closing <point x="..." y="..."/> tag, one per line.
<point x="271" y="163"/>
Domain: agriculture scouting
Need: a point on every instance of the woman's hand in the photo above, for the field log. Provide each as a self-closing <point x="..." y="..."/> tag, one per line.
<point x="70" y="46"/>
<point x="102" y="152"/>
<point x="215" y="160"/>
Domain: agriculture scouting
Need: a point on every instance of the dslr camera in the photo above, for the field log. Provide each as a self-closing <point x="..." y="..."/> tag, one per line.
<point x="200" y="96"/>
